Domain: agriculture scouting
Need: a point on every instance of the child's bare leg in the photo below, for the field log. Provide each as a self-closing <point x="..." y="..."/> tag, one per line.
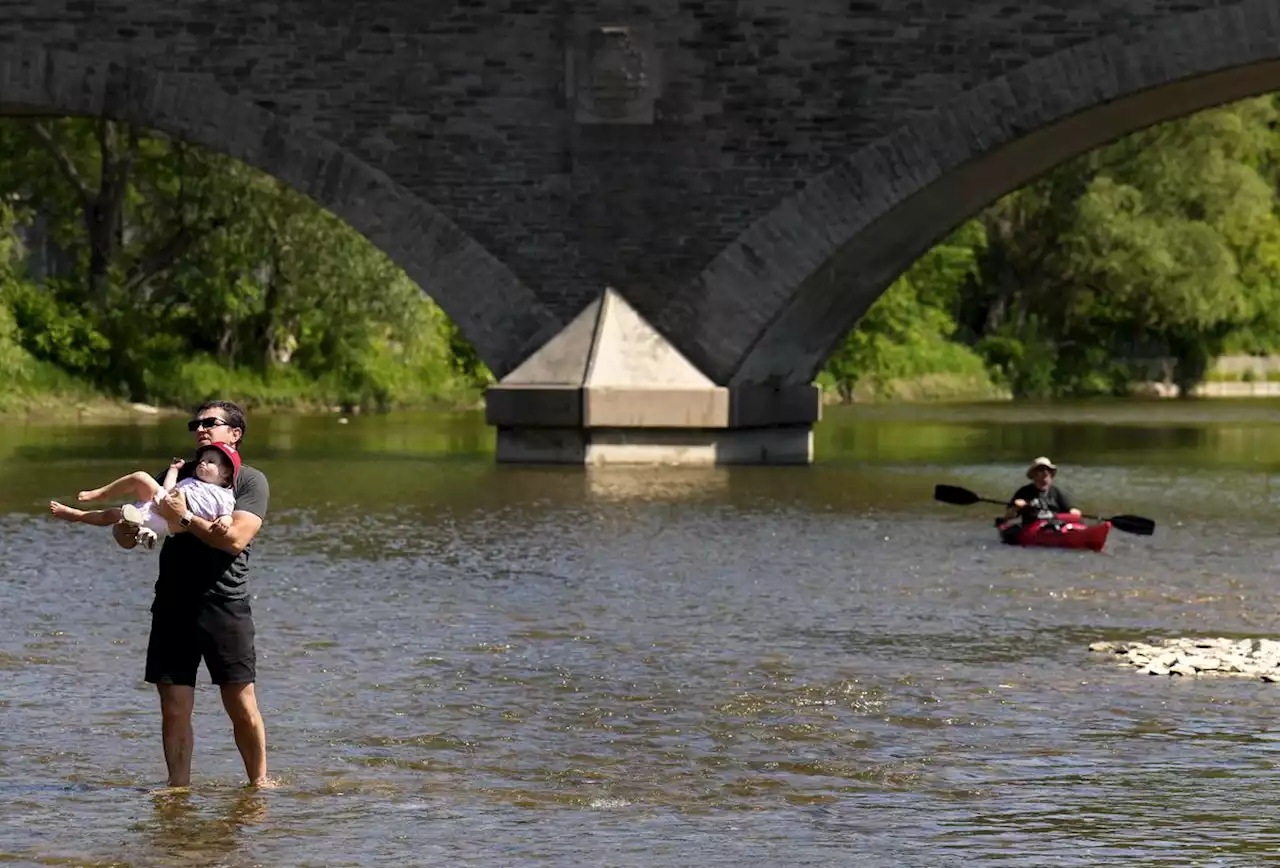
<point x="135" y="486"/>
<point x="96" y="517"/>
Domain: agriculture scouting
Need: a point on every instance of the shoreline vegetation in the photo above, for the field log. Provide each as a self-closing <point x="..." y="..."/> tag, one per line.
<point x="1228" y="377"/>
<point x="136" y="270"/>
<point x="64" y="409"/>
<point x="1148" y="267"/>
<point x="140" y="276"/>
<point x="88" y="408"/>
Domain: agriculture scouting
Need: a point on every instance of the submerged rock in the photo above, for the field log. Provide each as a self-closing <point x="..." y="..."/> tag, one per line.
<point x="1188" y="657"/>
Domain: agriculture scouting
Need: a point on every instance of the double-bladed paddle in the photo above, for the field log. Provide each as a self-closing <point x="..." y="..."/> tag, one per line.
<point x="958" y="496"/>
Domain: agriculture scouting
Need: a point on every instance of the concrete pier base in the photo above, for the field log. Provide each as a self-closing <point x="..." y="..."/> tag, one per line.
<point x="610" y="389"/>
<point x="791" y="444"/>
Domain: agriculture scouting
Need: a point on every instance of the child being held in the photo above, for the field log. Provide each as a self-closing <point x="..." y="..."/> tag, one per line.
<point x="208" y="492"/>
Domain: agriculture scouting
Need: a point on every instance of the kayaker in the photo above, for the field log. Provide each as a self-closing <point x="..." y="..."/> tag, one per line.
<point x="1040" y="499"/>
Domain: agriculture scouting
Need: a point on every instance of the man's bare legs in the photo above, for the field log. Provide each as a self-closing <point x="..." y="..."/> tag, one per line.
<point x="241" y="703"/>
<point x="177" y="702"/>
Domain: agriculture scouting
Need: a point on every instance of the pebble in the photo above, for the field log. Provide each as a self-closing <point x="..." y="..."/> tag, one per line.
<point x="1193" y="656"/>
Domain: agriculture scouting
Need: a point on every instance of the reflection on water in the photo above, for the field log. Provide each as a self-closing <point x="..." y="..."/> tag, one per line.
<point x="470" y="664"/>
<point x="193" y="830"/>
<point x="1103" y="433"/>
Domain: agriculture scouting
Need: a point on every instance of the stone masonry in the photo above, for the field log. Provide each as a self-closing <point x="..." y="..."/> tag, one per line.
<point x="747" y="175"/>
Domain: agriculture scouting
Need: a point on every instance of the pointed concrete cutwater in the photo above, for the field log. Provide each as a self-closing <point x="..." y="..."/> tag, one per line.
<point x="610" y="389"/>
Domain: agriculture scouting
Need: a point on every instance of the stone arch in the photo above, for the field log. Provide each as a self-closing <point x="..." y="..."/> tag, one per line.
<point x="500" y="315"/>
<point x="773" y="305"/>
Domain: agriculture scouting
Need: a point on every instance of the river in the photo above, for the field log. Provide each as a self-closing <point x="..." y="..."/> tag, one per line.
<point x="468" y="664"/>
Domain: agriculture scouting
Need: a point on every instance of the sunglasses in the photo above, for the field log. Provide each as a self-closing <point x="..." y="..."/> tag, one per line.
<point x="208" y="422"/>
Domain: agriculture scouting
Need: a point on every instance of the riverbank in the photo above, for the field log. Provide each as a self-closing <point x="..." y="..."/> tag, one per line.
<point x="74" y="404"/>
<point x="55" y="410"/>
<point x="926" y="388"/>
<point x="1232" y="377"/>
<point x="59" y="398"/>
<point x="37" y="390"/>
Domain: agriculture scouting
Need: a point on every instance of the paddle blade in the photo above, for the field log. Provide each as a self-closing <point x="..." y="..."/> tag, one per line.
<point x="955" y="495"/>
<point x="1133" y="524"/>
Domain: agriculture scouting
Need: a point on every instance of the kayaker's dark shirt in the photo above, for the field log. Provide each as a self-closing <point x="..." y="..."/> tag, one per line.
<point x="1042" y="504"/>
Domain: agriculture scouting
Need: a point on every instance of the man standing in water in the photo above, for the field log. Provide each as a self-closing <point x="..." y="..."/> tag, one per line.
<point x="201" y="608"/>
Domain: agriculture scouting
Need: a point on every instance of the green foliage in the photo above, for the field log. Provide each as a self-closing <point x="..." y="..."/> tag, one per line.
<point x="168" y="274"/>
<point x="24" y="379"/>
<point x="901" y="337"/>
<point x="55" y="330"/>
<point x="1164" y="244"/>
<point x="906" y="334"/>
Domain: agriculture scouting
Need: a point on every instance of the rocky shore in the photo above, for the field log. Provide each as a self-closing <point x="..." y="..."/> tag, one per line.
<point x="1235" y="658"/>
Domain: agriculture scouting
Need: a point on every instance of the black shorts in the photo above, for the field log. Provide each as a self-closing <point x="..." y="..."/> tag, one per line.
<point x="217" y="629"/>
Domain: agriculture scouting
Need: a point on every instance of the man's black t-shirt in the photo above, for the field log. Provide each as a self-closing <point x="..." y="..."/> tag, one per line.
<point x="1053" y="500"/>
<point x="190" y="569"/>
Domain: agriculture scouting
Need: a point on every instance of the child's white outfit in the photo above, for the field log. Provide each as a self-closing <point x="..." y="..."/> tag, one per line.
<point x="204" y="499"/>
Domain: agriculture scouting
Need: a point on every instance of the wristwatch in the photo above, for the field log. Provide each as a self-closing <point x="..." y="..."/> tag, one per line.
<point x="185" y="521"/>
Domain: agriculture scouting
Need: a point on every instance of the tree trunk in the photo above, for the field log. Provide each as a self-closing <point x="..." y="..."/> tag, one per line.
<point x="270" y="330"/>
<point x="103" y="205"/>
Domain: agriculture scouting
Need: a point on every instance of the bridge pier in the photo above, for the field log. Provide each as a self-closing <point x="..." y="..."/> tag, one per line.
<point x="609" y="389"/>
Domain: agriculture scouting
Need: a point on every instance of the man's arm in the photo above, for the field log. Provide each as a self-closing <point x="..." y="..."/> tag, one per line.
<point x="235" y="539"/>
<point x="246" y="519"/>
<point x="125" y="537"/>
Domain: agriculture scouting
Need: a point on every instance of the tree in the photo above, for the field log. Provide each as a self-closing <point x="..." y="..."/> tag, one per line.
<point x="187" y="267"/>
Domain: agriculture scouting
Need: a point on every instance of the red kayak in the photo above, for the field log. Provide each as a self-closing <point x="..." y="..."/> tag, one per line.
<point x="1066" y="531"/>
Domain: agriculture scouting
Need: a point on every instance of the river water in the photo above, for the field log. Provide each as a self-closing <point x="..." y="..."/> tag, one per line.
<point x="468" y="664"/>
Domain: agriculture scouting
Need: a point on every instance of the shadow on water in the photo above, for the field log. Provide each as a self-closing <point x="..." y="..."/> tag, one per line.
<point x="183" y="828"/>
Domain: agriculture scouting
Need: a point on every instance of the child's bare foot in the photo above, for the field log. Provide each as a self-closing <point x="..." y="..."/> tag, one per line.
<point x="93" y="494"/>
<point x="66" y="513"/>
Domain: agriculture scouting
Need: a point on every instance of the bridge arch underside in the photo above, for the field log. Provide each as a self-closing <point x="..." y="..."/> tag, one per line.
<point x="495" y="311"/>
<point x="774" y="305"/>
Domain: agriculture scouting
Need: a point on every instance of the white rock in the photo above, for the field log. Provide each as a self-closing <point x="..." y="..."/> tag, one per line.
<point x="1191" y="656"/>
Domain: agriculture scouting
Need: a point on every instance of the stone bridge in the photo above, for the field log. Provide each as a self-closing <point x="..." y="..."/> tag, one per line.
<point x="654" y="219"/>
